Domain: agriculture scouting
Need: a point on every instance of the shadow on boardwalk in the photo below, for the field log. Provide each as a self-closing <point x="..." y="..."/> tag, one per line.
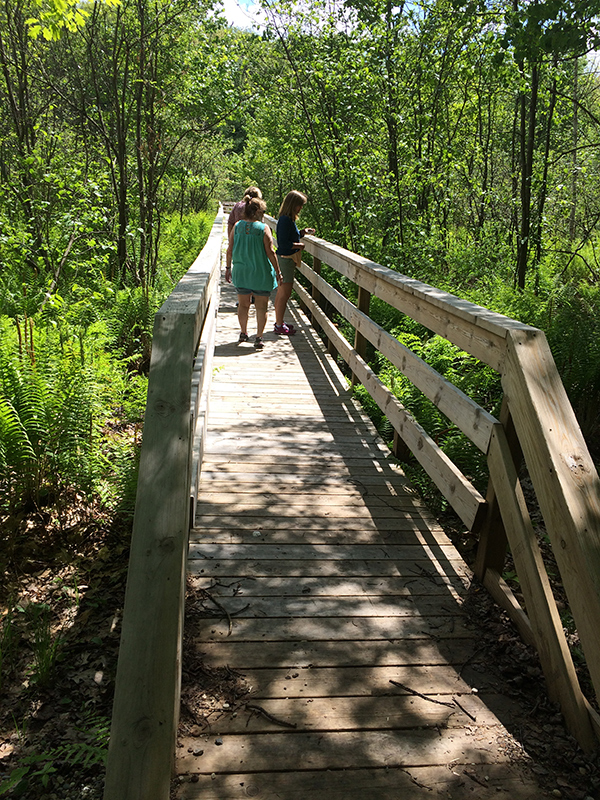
<point x="327" y="606"/>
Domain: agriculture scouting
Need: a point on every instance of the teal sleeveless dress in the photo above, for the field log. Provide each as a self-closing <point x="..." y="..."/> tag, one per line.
<point x="250" y="267"/>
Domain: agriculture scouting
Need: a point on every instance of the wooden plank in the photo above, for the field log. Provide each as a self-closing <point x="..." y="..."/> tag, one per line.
<point x="262" y="522"/>
<point x="146" y="705"/>
<point x="260" y="629"/>
<point x="345" y="750"/>
<point x="314" y="586"/>
<point x="459" y="492"/>
<point x="565" y="479"/>
<point x="555" y="658"/>
<point x="255" y="568"/>
<point x="311" y="657"/>
<point x="364" y="681"/>
<point x="404" y="532"/>
<point x="381" y="463"/>
<point x="352" y="498"/>
<point x="341" y="713"/>
<point x="346" y="553"/>
<point x="201" y="373"/>
<point x="468" y="416"/>
<point x="363" y="303"/>
<point x="269" y="504"/>
<point x="361" y="606"/>
<point x="462" y="782"/>
<point x="378" y="486"/>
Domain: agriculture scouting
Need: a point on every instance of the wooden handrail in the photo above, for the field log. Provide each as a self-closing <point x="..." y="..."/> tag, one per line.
<point x="146" y="704"/>
<point x="536" y="410"/>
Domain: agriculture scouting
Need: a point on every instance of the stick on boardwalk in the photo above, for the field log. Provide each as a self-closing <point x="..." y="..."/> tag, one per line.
<point x="343" y="598"/>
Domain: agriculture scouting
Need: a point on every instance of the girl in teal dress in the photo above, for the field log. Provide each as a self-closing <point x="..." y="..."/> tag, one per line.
<point x="252" y="267"/>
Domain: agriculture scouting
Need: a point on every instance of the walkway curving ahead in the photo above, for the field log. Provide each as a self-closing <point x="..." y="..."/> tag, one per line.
<point x="344" y="602"/>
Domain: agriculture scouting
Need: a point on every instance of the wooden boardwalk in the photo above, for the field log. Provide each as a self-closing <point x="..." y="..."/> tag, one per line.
<point x="344" y="601"/>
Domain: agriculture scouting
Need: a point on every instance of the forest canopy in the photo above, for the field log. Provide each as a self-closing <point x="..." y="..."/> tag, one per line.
<point x="455" y="142"/>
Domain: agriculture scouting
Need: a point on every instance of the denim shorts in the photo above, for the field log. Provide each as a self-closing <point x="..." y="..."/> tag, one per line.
<point x="252" y="291"/>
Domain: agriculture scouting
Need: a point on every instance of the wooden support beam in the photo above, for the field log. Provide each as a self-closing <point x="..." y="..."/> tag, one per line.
<point x="557" y="664"/>
<point x="360" y="342"/>
<point x="146" y="705"/>
<point x="564" y="477"/>
<point x="491" y="549"/>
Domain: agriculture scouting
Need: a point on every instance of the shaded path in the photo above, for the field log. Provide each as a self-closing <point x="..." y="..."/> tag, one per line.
<point x="344" y="597"/>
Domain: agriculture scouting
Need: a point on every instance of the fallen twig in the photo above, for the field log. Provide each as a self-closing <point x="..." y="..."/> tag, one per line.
<point x="418" y="694"/>
<point x="464" y="710"/>
<point x="221" y="608"/>
<point x="270" y="717"/>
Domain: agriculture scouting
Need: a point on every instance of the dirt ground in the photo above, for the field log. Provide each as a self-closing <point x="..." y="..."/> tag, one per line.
<point x="54" y="726"/>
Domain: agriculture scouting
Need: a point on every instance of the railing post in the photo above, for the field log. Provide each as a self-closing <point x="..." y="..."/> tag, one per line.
<point x="316" y="294"/>
<point x="491" y="550"/>
<point x="360" y="343"/>
<point x="399" y="448"/>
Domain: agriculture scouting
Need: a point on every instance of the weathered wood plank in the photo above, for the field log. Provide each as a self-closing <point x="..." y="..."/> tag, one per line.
<point x="336" y="587"/>
<point x="461" y="782"/>
<point x="362" y="606"/>
<point x="146" y="705"/>
<point x="333" y="522"/>
<point x="333" y="655"/>
<point x="408" y="531"/>
<point x="256" y="568"/>
<point x="377" y="486"/>
<point x="317" y="552"/>
<point x="261" y="629"/>
<point x="400" y="712"/>
<point x="559" y="670"/>
<point x="564" y="476"/>
<point x="291" y="503"/>
<point x="347" y="750"/>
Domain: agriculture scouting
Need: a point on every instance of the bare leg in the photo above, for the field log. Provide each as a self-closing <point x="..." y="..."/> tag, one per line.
<point x="242" y="312"/>
<point x="284" y="291"/>
<point x="261" y="304"/>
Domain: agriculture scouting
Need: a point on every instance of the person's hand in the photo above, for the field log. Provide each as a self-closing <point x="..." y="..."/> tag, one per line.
<point x="228" y="274"/>
<point x="309" y="231"/>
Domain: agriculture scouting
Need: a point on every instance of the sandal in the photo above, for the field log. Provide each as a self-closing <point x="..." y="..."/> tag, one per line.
<point x="243" y="337"/>
<point x="258" y="343"/>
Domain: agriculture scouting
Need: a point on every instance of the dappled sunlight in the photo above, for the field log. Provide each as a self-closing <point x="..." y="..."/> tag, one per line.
<point x="320" y="579"/>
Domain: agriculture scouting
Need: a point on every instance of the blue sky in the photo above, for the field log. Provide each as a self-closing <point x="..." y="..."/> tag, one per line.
<point x="242" y="13"/>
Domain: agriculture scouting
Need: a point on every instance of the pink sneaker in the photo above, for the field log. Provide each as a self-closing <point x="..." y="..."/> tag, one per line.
<point x="284" y="330"/>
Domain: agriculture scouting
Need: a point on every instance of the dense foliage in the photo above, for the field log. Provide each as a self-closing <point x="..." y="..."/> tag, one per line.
<point x="457" y="142"/>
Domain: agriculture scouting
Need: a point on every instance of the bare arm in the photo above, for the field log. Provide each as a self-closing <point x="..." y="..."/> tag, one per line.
<point x="270" y="251"/>
<point x="228" y="257"/>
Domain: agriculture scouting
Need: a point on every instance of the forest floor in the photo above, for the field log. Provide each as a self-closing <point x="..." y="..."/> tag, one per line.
<point x="58" y="668"/>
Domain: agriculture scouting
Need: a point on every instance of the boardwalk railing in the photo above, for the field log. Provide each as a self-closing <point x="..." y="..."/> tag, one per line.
<point x="146" y="705"/>
<point x="536" y="424"/>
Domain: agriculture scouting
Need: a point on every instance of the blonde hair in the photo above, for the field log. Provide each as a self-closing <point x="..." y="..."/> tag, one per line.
<point x="253" y="191"/>
<point x="255" y="207"/>
<point x="289" y="207"/>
